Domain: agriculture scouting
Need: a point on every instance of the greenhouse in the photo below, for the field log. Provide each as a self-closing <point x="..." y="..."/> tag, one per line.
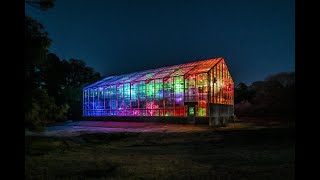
<point x="202" y="88"/>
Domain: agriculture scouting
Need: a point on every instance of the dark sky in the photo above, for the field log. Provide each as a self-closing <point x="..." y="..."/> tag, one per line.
<point x="256" y="38"/>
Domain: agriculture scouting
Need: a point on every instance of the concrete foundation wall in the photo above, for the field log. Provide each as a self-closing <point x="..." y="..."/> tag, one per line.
<point x="218" y="110"/>
<point x="221" y="121"/>
<point x="220" y="114"/>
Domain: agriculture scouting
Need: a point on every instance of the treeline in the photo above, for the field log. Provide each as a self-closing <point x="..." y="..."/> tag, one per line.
<point x="272" y="97"/>
<point x="53" y="87"/>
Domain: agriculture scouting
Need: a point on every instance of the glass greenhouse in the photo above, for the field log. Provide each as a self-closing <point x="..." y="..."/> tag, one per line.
<point x="188" y="89"/>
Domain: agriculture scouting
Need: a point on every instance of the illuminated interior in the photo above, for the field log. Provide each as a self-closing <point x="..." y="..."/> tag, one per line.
<point x="163" y="91"/>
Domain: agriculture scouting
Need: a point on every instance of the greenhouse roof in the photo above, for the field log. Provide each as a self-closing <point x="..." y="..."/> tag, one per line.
<point x="186" y="69"/>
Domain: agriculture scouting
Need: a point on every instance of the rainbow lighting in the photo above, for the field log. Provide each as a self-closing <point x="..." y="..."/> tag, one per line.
<point x="180" y="90"/>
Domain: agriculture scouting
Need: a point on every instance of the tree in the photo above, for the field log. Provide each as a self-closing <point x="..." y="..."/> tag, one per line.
<point x="51" y="76"/>
<point x="78" y="75"/>
<point x="36" y="47"/>
<point x="284" y="78"/>
<point x="51" y="84"/>
<point x="275" y="96"/>
<point x="37" y="40"/>
<point x="44" y="110"/>
<point x="243" y="93"/>
<point x="66" y="84"/>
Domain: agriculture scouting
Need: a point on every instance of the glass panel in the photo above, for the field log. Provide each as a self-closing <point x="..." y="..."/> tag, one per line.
<point x="202" y="93"/>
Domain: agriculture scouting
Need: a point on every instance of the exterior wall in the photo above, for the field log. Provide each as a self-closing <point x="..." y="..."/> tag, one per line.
<point x="221" y="85"/>
<point x="164" y="94"/>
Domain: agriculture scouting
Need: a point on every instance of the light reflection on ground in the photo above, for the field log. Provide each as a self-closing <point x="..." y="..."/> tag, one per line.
<point x="85" y="127"/>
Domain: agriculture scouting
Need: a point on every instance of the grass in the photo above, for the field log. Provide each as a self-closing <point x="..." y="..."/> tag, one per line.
<point x="240" y="154"/>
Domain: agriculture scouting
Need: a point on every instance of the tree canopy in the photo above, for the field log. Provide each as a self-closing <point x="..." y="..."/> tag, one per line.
<point x="274" y="96"/>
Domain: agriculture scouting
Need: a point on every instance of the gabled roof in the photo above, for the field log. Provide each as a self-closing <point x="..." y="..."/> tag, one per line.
<point x="185" y="69"/>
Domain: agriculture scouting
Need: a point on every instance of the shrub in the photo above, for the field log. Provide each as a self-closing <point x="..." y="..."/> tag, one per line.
<point x="44" y="110"/>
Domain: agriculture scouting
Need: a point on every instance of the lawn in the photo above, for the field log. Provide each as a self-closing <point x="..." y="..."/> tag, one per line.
<point x="267" y="153"/>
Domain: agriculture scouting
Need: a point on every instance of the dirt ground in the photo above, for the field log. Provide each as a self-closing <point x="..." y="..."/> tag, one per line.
<point x="77" y="128"/>
<point x="119" y="150"/>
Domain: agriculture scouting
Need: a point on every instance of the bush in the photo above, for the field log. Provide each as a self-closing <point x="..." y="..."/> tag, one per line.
<point x="32" y="118"/>
<point x="44" y="110"/>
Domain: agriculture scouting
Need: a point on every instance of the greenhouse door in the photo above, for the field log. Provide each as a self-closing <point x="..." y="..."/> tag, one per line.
<point x="190" y="109"/>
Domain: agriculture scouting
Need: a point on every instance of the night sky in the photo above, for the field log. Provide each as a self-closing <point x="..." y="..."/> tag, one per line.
<point x="256" y="38"/>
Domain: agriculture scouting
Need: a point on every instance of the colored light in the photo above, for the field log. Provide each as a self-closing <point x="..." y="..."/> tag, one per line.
<point x="162" y="91"/>
<point x="191" y="110"/>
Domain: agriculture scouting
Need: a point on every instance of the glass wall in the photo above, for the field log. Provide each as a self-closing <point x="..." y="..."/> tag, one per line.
<point x="222" y="83"/>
